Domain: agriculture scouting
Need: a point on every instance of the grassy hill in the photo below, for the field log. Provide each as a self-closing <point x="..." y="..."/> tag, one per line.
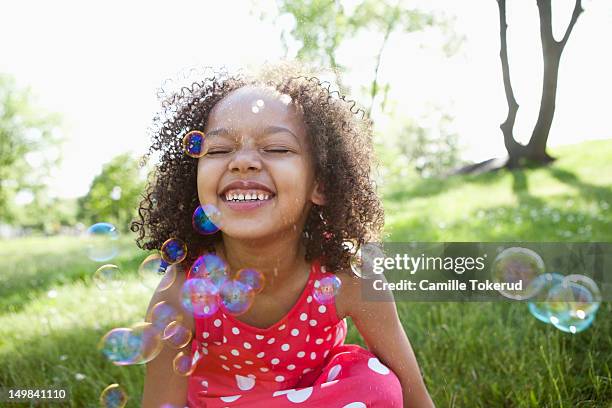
<point x="472" y="355"/>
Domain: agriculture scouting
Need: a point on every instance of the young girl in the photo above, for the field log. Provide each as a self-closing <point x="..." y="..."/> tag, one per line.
<point x="302" y="154"/>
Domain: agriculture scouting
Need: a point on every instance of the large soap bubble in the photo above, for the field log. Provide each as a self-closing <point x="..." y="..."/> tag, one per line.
<point x="101" y="242"/>
<point x="517" y="265"/>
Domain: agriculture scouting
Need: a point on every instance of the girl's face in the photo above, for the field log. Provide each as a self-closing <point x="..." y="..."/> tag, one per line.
<point x="258" y="167"/>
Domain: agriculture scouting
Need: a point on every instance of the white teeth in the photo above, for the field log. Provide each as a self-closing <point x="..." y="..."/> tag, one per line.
<point x="250" y="196"/>
<point x="265" y="197"/>
<point x="241" y="196"/>
<point x="260" y="196"/>
<point x="247" y="196"/>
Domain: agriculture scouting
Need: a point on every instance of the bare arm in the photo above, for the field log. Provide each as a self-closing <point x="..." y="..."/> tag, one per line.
<point x="393" y="348"/>
<point x="162" y="385"/>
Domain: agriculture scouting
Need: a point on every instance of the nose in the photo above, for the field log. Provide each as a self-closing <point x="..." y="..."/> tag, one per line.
<point x="245" y="160"/>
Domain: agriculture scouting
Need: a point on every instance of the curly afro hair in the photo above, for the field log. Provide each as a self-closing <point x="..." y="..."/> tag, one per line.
<point x="341" y="141"/>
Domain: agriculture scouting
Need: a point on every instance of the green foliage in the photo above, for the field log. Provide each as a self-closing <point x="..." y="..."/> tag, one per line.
<point x="114" y="194"/>
<point x="29" y="148"/>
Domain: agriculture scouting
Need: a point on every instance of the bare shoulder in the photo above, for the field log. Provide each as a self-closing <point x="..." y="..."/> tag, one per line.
<point x="172" y="295"/>
<point x="350" y="290"/>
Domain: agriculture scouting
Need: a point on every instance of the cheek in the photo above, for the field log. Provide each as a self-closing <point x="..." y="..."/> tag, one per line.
<point x="207" y="180"/>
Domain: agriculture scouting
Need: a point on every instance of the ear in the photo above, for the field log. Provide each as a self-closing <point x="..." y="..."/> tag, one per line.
<point x="318" y="196"/>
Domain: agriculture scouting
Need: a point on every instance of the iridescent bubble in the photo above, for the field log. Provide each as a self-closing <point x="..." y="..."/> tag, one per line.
<point x="211" y="267"/>
<point x="101" y="242"/>
<point x="108" y="277"/>
<point x="571" y="307"/>
<point x="147" y="339"/>
<point x="113" y="396"/>
<point x="514" y="265"/>
<point x="154" y="272"/>
<point x="114" y="345"/>
<point x="206" y="219"/>
<point x="325" y="289"/>
<point x="173" y="251"/>
<point x="184" y="363"/>
<point x="362" y="262"/>
<point x="251" y="277"/>
<point x="199" y="296"/>
<point x="236" y="297"/>
<point x="162" y="314"/>
<point x="592" y="287"/>
<point x="542" y="285"/>
<point x="176" y="335"/>
<point x="193" y="144"/>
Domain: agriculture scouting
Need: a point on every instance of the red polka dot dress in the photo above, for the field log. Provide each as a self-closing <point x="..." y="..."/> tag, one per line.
<point x="301" y="360"/>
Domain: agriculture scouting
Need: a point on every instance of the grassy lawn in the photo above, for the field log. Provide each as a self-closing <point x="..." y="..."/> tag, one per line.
<point x="472" y="355"/>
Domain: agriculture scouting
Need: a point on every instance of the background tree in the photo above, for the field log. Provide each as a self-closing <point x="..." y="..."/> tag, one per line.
<point x="535" y="150"/>
<point x="114" y="194"/>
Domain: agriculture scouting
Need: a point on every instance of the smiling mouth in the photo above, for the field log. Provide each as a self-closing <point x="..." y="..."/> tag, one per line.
<point x="246" y="196"/>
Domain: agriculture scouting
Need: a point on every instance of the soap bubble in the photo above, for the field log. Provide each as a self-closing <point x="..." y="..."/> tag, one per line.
<point x="193" y="144"/>
<point x="176" y="335"/>
<point x="206" y="219"/>
<point x="325" y="289"/>
<point x="362" y="262"/>
<point x="211" y="267"/>
<point x="199" y="296"/>
<point x="173" y="251"/>
<point x="236" y="297"/>
<point x="115" y="346"/>
<point x="591" y="286"/>
<point x="571" y="307"/>
<point x="139" y="344"/>
<point x="251" y="277"/>
<point x="113" y="396"/>
<point x="154" y="272"/>
<point x="184" y="363"/>
<point x="542" y="285"/>
<point x="162" y="314"/>
<point x="101" y="242"/>
<point x="108" y="277"/>
<point x="514" y="265"/>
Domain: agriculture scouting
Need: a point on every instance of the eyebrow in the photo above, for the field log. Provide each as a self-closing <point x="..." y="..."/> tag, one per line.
<point x="268" y="130"/>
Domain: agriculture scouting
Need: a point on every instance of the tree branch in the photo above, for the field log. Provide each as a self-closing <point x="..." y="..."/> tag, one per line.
<point x="577" y="10"/>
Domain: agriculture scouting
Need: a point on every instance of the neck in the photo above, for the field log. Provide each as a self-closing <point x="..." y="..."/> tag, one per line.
<point x="278" y="258"/>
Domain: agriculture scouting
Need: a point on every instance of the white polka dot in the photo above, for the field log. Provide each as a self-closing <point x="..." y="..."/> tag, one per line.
<point x="205" y="350"/>
<point x="327" y="328"/>
<point x="279" y="378"/>
<point x="333" y="373"/>
<point x="217" y="322"/>
<point x="306" y="370"/>
<point x="259" y="336"/>
<point x="328" y="338"/>
<point x="327" y="384"/>
<point x="313" y="322"/>
<point x="355" y="405"/>
<point x="204" y="383"/>
<point x="317" y="284"/>
<point x="322" y="308"/>
<point x="205" y="334"/>
<point x="282" y="327"/>
<point x="313" y="355"/>
<point x="285" y="347"/>
<point x="238" y="366"/>
<point x="230" y="398"/>
<point x="275" y="361"/>
<point x="319" y="341"/>
<point x="218" y="343"/>
<point x="251" y="376"/>
<point x="235" y="330"/>
<point x="249" y="362"/>
<point x="295" y="332"/>
<point x="261" y="354"/>
<point x="205" y="344"/>
<point x="303" y="317"/>
<point x="224" y="339"/>
<point x="326" y="353"/>
<point x="235" y="352"/>
<point x="300" y="395"/>
<point x="264" y="369"/>
<point x="309" y="299"/>
<point x="244" y="383"/>
<point x="378" y="367"/>
<point x="222" y="357"/>
<point x="271" y="340"/>
<point x="307" y="338"/>
<point x="291" y="367"/>
<point x="301" y="354"/>
<point x="281" y="392"/>
<point x="247" y="345"/>
<point x="225" y="367"/>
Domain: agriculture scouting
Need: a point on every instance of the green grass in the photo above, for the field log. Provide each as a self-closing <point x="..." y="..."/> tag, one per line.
<point x="471" y="354"/>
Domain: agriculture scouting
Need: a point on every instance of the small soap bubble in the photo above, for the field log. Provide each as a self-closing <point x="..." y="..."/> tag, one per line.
<point x="210" y="266"/>
<point x="251" y="277"/>
<point x="236" y="297"/>
<point x="173" y="251"/>
<point x="199" y="296"/>
<point x="176" y="335"/>
<point x="108" y="277"/>
<point x="147" y="339"/>
<point x="326" y="289"/>
<point x="542" y="285"/>
<point x="101" y="242"/>
<point x="162" y="314"/>
<point x="184" y="363"/>
<point x="193" y="144"/>
<point x="154" y="272"/>
<point x="254" y="109"/>
<point x="115" y="346"/>
<point x="260" y="103"/>
<point x="514" y="265"/>
<point x="206" y="219"/>
<point x="113" y="396"/>
<point x="571" y="307"/>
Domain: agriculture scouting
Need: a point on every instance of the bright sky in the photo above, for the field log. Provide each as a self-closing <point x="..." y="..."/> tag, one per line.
<point x="99" y="65"/>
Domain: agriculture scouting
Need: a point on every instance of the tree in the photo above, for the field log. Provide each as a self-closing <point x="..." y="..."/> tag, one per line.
<point x="114" y="194"/>
<point x="29" y="148"/>
<point x="535" y="150"/>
